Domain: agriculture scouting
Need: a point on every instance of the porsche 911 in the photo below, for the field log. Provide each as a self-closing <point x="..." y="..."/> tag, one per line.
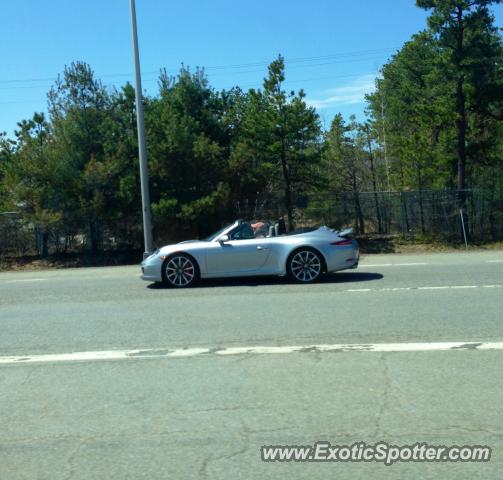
<point x="244" y="249"/>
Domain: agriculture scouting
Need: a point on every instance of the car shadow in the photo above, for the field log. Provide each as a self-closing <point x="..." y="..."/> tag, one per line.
<point x="340" y="277"/>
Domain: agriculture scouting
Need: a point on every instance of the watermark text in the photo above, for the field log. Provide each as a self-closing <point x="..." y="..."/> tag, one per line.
<point x="380" y="452"/>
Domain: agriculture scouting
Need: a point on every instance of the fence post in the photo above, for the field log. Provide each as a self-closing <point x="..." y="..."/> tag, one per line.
<point x="463" y="226"/>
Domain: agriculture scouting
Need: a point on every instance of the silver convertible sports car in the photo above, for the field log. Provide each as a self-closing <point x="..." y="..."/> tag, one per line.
<point x="244" y="249"/>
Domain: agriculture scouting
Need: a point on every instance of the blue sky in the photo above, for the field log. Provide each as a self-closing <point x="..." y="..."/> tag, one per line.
<point x="333" y="48"/>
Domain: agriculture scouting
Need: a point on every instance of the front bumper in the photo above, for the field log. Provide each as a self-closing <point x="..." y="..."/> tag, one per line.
<point x="151" y="269"/>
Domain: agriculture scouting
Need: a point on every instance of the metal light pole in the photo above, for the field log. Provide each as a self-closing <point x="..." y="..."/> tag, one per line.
<point x="145" y="194"/>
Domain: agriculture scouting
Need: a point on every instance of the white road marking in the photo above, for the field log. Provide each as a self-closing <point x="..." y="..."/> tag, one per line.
<point x="392" y="264"/>
<point x="252" y="350"/>
<point x="27" y="280"/>
<point x="375" y="264"/>
<point x="428" y="287"/>
<point x="494" y="261"/>
<point x="409" y="264"/>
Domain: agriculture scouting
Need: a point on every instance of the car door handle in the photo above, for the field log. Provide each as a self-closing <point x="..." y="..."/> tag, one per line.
<point x="261" y="247"/>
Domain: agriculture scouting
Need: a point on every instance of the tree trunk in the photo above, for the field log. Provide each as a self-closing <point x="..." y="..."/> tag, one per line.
<point x="461" y="123"/>
<point x="358" y="209"/>
<point x="45" y="245"/>
<point x="420" y="188"/>
<point x="461" y="133"/>
<point x="288" y="188"/>
<point x="405" y="214"/>
<point x="374" y="182"/>
<point x="93" y="233"/>
<point x="359" y="215"/>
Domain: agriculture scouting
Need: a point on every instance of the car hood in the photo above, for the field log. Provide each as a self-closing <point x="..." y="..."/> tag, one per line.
<point x="176" y="246"/>
<point x="190" y="241"/>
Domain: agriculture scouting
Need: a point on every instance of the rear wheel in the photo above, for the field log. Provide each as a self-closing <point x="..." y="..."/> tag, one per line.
<point x="305" y="266"/>
<point x="180" y="271"/>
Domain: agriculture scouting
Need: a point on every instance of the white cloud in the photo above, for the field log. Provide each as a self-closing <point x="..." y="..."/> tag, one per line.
<point x="351" y="94"/>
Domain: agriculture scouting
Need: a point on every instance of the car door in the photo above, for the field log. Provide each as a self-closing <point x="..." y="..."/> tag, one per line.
<point x="236" y="257"/>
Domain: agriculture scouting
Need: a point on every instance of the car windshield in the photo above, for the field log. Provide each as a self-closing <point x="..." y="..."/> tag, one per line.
<point x="215" y="235"/>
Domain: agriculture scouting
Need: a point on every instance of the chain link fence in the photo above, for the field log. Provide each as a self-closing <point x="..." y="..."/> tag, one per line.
<point x="21" y="237"/>
<point x="16" y="237"/>
<point x="414" y="215"/>
<point x="435" y="214"/>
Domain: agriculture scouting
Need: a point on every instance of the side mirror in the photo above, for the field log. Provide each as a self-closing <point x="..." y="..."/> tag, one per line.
<point x="223" y="239"/>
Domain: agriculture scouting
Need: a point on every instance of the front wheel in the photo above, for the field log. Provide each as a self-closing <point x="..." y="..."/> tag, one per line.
<point x="305" y="266"/>
<point x="180" y="271"/>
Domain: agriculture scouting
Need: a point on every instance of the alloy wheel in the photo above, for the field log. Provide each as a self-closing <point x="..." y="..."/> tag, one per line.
<point x="180" y="271"/>
<point x="305" y="266"/>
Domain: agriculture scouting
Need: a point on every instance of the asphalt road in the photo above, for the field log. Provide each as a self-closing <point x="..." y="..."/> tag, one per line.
<point x="206" y="415"/>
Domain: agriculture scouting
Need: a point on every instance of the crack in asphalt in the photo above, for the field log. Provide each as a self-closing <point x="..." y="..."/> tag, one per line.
<point x="209" y="459"/>
<point x="385" y="396"/>
<point x="467" y="346"/>
<point x="219" y="409"/>
<point x="71" y="458"/>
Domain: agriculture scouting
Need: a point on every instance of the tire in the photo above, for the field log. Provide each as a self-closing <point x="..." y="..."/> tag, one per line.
<point x="180" y="271"/>
<point x="305" y="265"/>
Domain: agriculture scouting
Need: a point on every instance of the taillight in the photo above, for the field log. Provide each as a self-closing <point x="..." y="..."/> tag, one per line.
<point x="343" y="243"/>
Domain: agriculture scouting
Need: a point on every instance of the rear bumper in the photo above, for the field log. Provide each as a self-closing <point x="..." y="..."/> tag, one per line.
<point x="352" y="264"/>
<point x="357" y="254"/>
<point x="344" y="258"/>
